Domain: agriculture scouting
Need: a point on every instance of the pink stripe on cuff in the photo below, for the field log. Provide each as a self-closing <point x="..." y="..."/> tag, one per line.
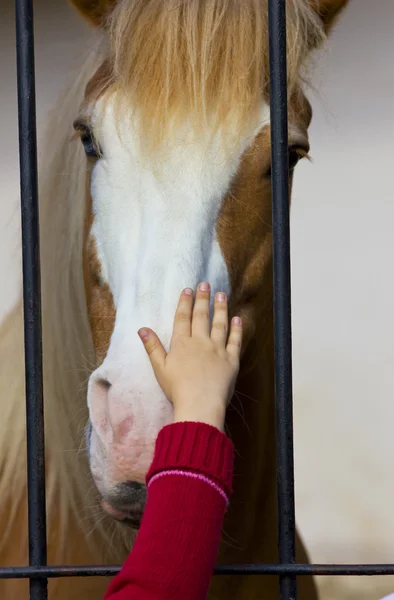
<point x="192" y="476"/>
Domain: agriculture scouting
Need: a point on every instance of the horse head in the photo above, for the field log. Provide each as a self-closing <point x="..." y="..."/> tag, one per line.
<point x="175" y="126"/>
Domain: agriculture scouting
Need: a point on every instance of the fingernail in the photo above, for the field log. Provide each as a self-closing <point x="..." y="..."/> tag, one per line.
<point x="220" y="297"/>
<point x="237" y="321"/>
<point x="144" y="334"/>
<point x="204" y="287"/>
<point x="188" y="291"/>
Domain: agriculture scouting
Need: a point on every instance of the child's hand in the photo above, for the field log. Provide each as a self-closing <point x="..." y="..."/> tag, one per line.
<point x="198" y="374"/>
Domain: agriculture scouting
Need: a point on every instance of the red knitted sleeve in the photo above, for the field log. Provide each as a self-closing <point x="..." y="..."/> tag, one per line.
<point x="189" y="484"/>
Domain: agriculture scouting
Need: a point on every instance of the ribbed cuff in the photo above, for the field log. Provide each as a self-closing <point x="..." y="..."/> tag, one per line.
<point x="195" y="447"/>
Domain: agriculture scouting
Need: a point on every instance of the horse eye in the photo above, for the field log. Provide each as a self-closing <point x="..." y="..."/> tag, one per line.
<point x="294" y="157"/>
<point x="90" y="145"/>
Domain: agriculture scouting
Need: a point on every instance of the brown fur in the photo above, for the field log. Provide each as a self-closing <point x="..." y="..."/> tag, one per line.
<point x="99" y="300"/>
<point x="95" y="11"/>
<point x="329" y="11"/>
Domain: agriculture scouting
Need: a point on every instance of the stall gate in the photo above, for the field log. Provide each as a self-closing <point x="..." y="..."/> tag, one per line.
<point x="287" y="569"/>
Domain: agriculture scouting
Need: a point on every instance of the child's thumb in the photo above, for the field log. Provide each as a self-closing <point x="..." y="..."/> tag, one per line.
<point x="154" y="348"/>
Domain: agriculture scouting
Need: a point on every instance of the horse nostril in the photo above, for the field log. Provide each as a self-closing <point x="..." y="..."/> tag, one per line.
<point x="133" y="486"/>
<point x="98" y="391"/>
<point x="130" y="491"/>
<point x="103" y="384"/>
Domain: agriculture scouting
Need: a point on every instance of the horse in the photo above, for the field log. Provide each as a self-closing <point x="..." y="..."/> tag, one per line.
<point x="165" y="182"/>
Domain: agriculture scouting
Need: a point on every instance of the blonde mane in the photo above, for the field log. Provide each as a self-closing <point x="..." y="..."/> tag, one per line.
<point x="206" y="62"/>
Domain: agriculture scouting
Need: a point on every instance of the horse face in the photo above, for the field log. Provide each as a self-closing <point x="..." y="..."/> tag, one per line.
<point x="197" y="214"/>
<point x="154" y="226"/>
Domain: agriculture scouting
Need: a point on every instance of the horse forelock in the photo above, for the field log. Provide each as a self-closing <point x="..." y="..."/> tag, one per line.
<point x="205" y="62"/>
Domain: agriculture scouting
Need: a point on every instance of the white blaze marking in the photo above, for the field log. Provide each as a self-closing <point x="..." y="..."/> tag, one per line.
<point x="155" y="231"/>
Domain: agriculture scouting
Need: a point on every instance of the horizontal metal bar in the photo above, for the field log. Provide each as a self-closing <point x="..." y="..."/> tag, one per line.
<point x="237" y="569"/>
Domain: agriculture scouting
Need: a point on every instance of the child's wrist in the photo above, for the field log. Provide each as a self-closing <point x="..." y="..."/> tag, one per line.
<point x="212" y="415"/>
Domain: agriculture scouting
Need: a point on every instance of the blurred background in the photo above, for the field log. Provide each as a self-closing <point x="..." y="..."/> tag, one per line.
<point x="343" y="278"/>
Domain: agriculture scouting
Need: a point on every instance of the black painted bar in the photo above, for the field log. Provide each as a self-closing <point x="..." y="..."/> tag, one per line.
<point x="31" y="295"/>
<point x="282" y="294"/>
<point x="237" y="569"/>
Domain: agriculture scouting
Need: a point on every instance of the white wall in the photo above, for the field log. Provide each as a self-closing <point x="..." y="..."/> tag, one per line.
<point x="343" y="249"/>
<point x="342" y="239"/>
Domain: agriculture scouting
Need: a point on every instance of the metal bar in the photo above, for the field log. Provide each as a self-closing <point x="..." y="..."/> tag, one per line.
<point x="31" y="294"/>
<point x="282" y="294"/>
<point x="241" y="569"/>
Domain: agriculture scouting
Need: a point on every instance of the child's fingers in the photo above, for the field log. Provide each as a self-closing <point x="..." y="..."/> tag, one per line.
<point x="234" y="343"/>
<point x="183" y="314"/>
<point x="154" y="348"/>
<point x="220" y="320"/>
<point x="201" y="311"/>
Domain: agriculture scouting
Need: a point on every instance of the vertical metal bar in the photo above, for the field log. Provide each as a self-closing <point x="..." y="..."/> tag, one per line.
<point x="282" y="293"/>
<point x="31" y="293"/>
